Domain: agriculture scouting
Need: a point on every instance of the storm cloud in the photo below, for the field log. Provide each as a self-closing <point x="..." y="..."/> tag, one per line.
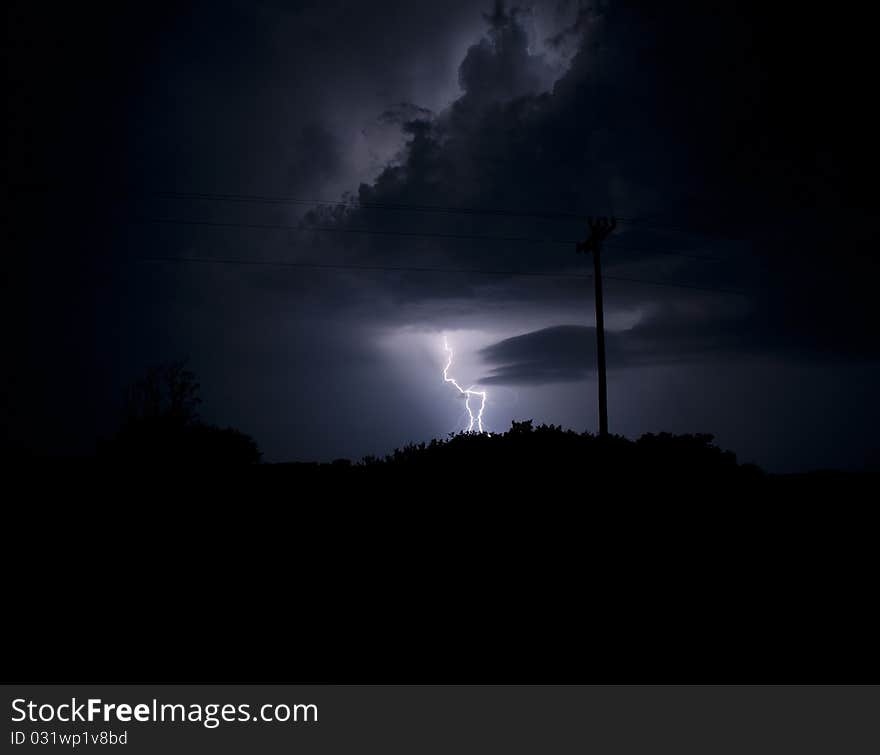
<point x="671" y="120"/>
<point x="563" y="353"/>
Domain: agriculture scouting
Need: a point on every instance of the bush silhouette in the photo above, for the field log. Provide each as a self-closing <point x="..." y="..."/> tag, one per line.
<point x="162" y="426"/>
<point x="542" y="457"/>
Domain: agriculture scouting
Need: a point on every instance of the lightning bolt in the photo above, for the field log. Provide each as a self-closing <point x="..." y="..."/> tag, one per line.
<point x="467" y="393"/>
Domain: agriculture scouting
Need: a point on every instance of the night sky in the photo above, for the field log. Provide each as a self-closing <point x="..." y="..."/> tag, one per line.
<point x="735" y="141"/>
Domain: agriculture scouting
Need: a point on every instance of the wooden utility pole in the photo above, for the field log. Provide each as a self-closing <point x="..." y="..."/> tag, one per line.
<point x="600" y="229"/>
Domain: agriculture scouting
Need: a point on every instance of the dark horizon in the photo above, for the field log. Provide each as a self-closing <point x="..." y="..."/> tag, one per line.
<point x="166" y="161"/>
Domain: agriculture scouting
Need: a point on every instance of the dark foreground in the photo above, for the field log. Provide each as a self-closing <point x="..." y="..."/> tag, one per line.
<point x="534" y="556"/>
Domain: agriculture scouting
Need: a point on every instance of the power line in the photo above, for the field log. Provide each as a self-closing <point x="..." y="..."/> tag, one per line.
<point x="350" y="266"/>
<point x="626" y="248"/>
<point x="411" y="269"/>
<point x="357" y="204"/>
<point x="401" y="206"/>
<point x="406" y="234"/>
<point x="367" y="231"/>
<point x="427" y="208"/>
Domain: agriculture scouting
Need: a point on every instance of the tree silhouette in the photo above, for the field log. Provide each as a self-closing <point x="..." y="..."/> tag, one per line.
<point x="162" y="425"/>
<point x="168" y="392"/>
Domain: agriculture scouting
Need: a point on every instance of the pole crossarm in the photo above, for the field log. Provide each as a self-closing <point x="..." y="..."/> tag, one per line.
<point x="600" y="229"/>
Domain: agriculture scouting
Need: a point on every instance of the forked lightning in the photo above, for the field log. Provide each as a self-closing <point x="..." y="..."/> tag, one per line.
<point x="467" y="393"/>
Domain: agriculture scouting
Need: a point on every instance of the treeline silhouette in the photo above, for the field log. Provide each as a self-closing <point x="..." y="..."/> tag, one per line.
<point x="547" y="461"/>
<point x="527" y="454"/>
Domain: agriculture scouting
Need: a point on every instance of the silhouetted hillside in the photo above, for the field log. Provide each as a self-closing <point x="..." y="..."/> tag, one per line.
<point x="552" y="449"/>
<point x="535" y="460"/>
<point x="525" y="459"/>
<point x="528" y="454"/>
<point x="164" y="442"/>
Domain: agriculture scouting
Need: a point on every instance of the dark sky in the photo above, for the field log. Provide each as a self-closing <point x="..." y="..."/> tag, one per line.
<point x="736" y="142"/>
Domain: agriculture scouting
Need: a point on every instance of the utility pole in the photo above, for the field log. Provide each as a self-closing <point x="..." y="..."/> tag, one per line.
<point x="600" y="229"/>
